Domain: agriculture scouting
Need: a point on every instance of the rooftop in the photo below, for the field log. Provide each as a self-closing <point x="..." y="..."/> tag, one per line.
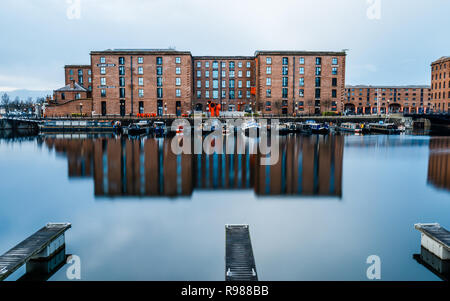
<point x="141" y="51"/>
<point x="299" y="52"/>
<point x="388" y="87"/>
<point x="441" y="60"/>
<point x="69" y="88"/>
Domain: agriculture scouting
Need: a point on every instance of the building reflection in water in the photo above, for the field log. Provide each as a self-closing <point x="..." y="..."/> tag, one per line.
<point x="310" y="166"/>
<point x="439" y="162"/>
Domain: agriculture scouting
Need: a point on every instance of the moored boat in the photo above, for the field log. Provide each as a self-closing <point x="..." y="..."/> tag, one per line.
<point x="384" y="128"/>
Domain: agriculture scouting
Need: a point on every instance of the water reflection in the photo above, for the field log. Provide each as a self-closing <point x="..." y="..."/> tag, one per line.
<point x="147" y="167"/>
<point x="439" y="163"/>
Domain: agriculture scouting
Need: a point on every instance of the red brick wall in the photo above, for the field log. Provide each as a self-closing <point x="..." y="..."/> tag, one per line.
<point x="85" y="72"/>
<point x="66" y="109"/>
<point x="440" y="85"/>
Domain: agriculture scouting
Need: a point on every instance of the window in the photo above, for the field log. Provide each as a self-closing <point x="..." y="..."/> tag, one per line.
<point x="207" y="94"/>
<point x="199" y="84"/>
<point x="207" y="84"/>
<point x="140" y="60"/>
<point x="334" y="71"/>
<point x="318" y="61"/>
<point x="239" y="93"/>
<point x="318" y="70"/>
<point x="285" y="70"/>
<point x="103" y="81"/>
<point x="224" y="94"/>
<point x="141" y="70"/>
<point x="178" y="60"/>
<point x="232" y="83"/>
<point x="159" y="61"/>
<point x="334" y="61"/>
<point x="240" y="65"/>
<point x="102" y="60"/>
<point x="269" y="70"/>
<point x="248" y="64"/>
<point x="231" y="73"/>
<point x="122" y="92"/>
<point x="334" y="93"/>
<point x="231" y="96"/>
<point x="178" y="92"/>
<point x="301" y="93"/>
<point x="199" y="94"/>
<point x="302" y="70"/>
<point x="178" y="81"/>
<point x="89" y="72"/>
<point x="248" y="84"/>
<point x="215" y="74"/>
<point x="269" y="61"/>
<point x="141" y="93"/>
<point x="240" y="84"/>
<point x="199" y="64"/>
<point x="159" y="71"/>
<point x="159" y="81"/>
<point x="268" y="93"/>
<point x="103" y="92"/>
<point x="177" y="70"/>
<point x="334" y="82"/>
<point x="78" y="96"/>
<point x="317" y="93"/>
<point x="206" y="73"/>
<point x="215" y="65"/>
<point x="80" y="72"/>
<point x="285" y="61"/>
<point x="224" y="84"/>
<point x="240" y="73"/>
<point x="122" y="81"/>
<point x="302" y="61"/>
<point x="231" y="65"/>
<point x="215" y="84"/>
<point x="249" y="73"/>
<point x="224" y="73"/>
<point x="215" y="94"/>
<point x="199" y="73"/>
<point x="102" y="70"/>
<point x="140" y="81"/>
<point x="284" y="93"/>
<point x="206" y="64"/>
<point x="301" y="82"/>
<point x="285" y="82"/>
<point x="121" y="61"/>
<point x="268" y="81"/>
<point x="318" y="81"/>
<point x="159" y="93"/>
<point x="121" y="70"/>
<point x="141" y="107"/>
<point x="224" y="65"/>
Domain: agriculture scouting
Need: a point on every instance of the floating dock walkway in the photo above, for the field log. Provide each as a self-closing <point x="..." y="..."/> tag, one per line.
<point x="435" y="239"/>
<point x="43" y="244"/>
<point x="239" y="259"/>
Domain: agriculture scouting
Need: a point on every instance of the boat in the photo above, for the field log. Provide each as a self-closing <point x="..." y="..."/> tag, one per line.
<point x="136" y="129"/>
<point x="350" y="127"/>
<point x="251" y="126"/>
<point x="57" y="126"/>
<point x="158" y="129"/>
<point x="318" y="128"/>
<point x="384" y="128"/>
<point x="303" y="128"/>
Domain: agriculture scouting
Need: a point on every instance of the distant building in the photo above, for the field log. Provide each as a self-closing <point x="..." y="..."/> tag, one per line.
<point x="387" y="99"/>
<point x="440" y="84"/>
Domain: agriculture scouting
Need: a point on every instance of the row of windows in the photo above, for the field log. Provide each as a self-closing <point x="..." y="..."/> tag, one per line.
<point x="301" y="83"/>
<point x="159" y="70"/>
<point x="159" y="60"/>
<point x="159" y="93"/>
<point x="334" y="70"/>
<point x="80" y="72"/>
<point x="438" y="95"/>
<point x="231" y="95"/>
<point x="285" y="61"/>
<point x="391" y="90"/>
<point x="301" y="93"/>
<point x="215" y="73"/>
<point x="441" y="85"/>
<point x="215" y="84"/>
<point x="215" y="65"/>
<point x="140" y="81"/>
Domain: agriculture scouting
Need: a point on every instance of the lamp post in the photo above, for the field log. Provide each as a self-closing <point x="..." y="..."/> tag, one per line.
<point x="81" y="109"/>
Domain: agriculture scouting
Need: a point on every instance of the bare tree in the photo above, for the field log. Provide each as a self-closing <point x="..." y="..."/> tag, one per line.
<point x="5" y="102"/>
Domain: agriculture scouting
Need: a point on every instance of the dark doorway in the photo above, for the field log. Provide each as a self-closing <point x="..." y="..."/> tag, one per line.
<point x="103" y="108"/>
<point x="141" y="107"/>
<point x="160" y="108"/>
<point x="178" y="107"/>
<point x="122" y="108"/>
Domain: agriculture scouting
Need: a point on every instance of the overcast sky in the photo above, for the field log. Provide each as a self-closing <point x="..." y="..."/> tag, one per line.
<point x="391" y="46"/>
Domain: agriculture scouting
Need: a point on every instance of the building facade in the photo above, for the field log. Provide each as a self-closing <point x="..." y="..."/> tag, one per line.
<point x="157" y="82"/>
<point x="440" y="84"/>
<point x="227" y="81"/>
<point x="387" y="99"/>
<point x="299" y="82"/>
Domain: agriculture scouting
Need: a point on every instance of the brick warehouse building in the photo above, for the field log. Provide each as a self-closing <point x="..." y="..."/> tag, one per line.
<point x="387" y="99"/>
<point x="440" y="84"/>
<point x="300" y="82"/>
<point x="160" y="82"/>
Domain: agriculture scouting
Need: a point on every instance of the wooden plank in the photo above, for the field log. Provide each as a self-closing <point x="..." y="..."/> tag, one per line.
<point x="30" y="247"/>
<point x="240" y="262"/>
<point x="436" y="232"/>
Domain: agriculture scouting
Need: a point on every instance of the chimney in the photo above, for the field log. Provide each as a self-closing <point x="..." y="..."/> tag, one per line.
<point x="72" y="84"/>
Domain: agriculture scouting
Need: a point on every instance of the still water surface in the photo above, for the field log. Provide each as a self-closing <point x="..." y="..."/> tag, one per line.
<point x="139" y="212"/>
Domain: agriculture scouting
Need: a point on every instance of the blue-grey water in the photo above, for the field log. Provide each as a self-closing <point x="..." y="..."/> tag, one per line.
<point x="139" y="212"/>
